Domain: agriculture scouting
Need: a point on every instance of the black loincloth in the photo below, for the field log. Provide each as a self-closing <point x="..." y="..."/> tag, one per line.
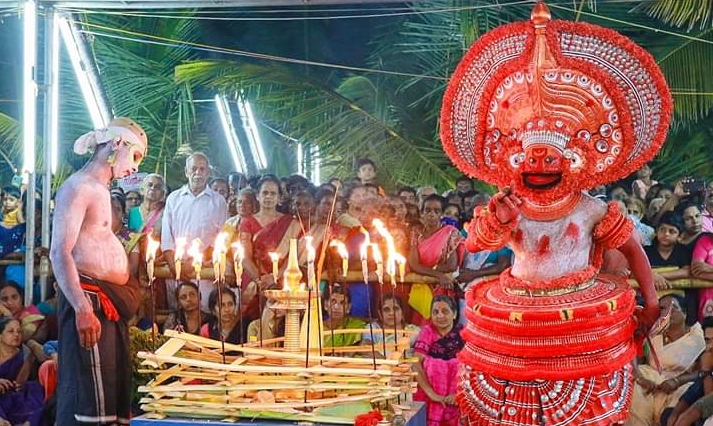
<point x="94" y="385"/>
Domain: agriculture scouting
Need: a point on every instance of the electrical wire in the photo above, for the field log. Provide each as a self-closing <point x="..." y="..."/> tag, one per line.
<point x="163" y="41"/>
<point x="635" y="25"/>
<point x="324" y="18"/>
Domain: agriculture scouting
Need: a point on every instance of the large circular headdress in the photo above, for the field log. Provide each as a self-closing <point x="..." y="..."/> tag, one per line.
<point x="585" y="90"/>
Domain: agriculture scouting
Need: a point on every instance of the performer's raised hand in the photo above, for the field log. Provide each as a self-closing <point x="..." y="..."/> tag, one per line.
<point x="88" y="328"/>
<point x="506" y="205"/>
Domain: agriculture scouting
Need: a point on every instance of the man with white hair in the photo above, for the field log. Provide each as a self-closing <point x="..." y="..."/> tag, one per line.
<point x="193" y="211"/>
<point x="97" y="295"/>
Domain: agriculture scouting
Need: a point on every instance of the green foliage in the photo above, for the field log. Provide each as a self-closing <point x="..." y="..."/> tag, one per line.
<point x="682" y="13"/>
<point x="390" y="118"/>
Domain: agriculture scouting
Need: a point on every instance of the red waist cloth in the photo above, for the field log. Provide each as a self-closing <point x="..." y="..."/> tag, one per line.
<point x="106" y="304"/>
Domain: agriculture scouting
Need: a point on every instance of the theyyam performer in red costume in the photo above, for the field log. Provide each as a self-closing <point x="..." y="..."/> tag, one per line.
<point x="546" y="109"/>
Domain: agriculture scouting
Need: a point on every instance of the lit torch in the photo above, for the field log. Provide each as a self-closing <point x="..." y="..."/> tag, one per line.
<point x="275" y="257"/>
<point x="180" y="251"/>
<point x="238" y="255"/>
<point x="343" y="253"/>
<point x="379" y="262"/>
<point x="195" y="252"/>
<point x="363" y="253"/>
<point x="220" y="250"/>
<point x="151" y="249"/>
<point x="390" y="248"/>
<point x="402" y="265"/>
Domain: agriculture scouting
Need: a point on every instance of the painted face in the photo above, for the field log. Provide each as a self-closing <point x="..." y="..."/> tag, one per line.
<point x="188" y="298"/>
<point x="542" y="168"/>
<point x="12" y="334"/>
<point x="391" y="314"/>
<point x="11" y="299"/>
<point x="126" y="157"/>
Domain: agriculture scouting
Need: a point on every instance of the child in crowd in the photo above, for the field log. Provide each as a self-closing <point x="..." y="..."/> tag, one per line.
<point x="11" y="212"/>
<point x="640" y="187"/>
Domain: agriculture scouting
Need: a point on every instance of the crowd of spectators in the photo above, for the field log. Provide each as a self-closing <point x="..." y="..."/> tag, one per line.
<point x="673" y="223"/>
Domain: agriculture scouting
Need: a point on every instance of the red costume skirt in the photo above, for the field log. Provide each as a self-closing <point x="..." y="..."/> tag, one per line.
<point x="556" y="358"/>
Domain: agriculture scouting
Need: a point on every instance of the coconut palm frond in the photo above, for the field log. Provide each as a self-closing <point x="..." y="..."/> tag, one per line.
<point x="687" y="152"/>
<point x="138" y="80"/>
<point x="684" y="14"/>
<point x="308" y="111"/>
<point x="685" y="64"/>
<point x="10" y="146"/>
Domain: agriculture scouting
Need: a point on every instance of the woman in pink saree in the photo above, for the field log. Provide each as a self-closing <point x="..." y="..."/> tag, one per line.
<point x="435" y="252"/>
<point x="437" y="347"/>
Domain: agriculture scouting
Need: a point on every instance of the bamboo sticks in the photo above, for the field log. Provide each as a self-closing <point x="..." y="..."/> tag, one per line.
<point x="194" y="377"/>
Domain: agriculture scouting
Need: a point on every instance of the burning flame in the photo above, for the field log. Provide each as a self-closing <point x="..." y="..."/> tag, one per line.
<point x="310" y="249"/>
<point x="238" y="255"/>
<point x="220" y="249"/>
<point x="390" y="247"/>
<point x="181" y="244"/>
<point x="194" y="251"/>
<point x="151" y="249"/>
<point x="401" y="261"/>
<point x="238" y="252"/>
<point x="343" y="253"/>
<point x="341" y="248"/>
<point x="363" y="250"/>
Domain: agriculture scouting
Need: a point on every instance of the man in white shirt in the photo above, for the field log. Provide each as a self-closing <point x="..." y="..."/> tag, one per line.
<point x="192" y="211"/>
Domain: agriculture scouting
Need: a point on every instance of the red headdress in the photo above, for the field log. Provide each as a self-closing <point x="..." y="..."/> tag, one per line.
<point x="582" y="91"/>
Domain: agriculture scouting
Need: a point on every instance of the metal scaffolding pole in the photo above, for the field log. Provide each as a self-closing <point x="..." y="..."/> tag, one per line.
<point x="51" y="80"/>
